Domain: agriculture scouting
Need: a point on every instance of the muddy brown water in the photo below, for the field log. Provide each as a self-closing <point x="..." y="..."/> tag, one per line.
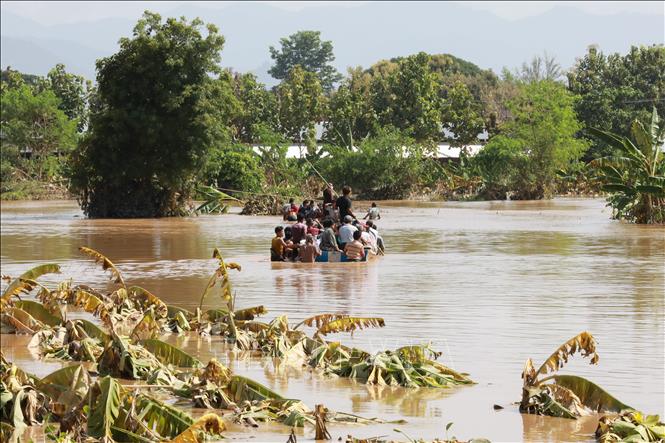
<point x="490" y="284"/>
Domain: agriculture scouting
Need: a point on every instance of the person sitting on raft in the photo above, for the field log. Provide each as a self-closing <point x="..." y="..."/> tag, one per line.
<point x="355" y="250"/>
<point x="313" y="227"/>
<point x="346" y="232"/>
<point x="299" y="230"/>
<point x="309" y="251"/>
<point x="328" y="237"/>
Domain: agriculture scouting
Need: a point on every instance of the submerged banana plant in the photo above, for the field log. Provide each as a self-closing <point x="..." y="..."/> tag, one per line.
<point x="107" y="264"/>
<point x="567" y="396"/>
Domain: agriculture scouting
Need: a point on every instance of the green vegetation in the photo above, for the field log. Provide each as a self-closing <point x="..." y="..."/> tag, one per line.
<point x="635" y="175"/>
<point x="124" y="342"/>
<point x="144" y="146"/>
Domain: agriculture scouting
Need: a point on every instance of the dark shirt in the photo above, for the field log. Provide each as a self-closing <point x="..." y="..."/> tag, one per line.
<point x="344" y="206"/>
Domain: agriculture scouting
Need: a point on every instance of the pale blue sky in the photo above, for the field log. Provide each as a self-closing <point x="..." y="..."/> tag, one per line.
<point x="56" y="12"/>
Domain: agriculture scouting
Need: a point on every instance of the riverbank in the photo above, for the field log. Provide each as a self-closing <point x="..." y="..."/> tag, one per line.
<point x="34" y="190"/>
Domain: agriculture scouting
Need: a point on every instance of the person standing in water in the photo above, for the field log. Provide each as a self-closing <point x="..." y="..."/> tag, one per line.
<point x="373" y="213"/>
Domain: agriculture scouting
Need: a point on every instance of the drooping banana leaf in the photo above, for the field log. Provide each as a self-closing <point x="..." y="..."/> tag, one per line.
<point x="583" y="342"/>
<point x="148" y="299"/>
<point x="208" y="424"/>
<point x="250" y="313"/>
<point x="93" y="331"/>
<point x="91" y="304"/>
<point x="164" y="419"/>
<point x="104" y="408"/>
<point x="107" y="264"/>
<point x="350" y="324"/>
<point x="591" y="395"/>
<point x="20" y="283"/>
<point x="10" y="324"/>
<point x="38" y="311"/>
<point x="63" y="380"/>
<point x="319" y="320"/>
<point x="174" y="310"/>
<point x="242" y="388"/>
<point x="169" y="354"/>
<point x="147" y="328"/>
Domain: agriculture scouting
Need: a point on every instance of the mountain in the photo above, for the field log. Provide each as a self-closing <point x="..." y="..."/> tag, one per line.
<point x="362" y="33"/>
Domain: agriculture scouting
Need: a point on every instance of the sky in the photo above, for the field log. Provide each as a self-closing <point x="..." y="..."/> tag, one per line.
<point x="37" y="35"/>
<point x="56" y="12"/>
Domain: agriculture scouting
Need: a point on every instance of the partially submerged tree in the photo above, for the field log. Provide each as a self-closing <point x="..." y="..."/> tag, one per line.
<point x="159" y="112"/>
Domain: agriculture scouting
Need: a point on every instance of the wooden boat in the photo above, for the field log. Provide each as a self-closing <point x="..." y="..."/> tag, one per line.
<point x="340" y="257"/>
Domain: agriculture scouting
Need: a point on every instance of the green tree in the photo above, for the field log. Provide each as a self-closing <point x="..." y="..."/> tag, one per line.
<point x="301" y="104"/>
<point x="461" y="116"/>
<point x="73" y="91"/>
<point x="305" y="49"/>
<point x="158" y="112"/>
<point x="635" y="176"/>
<point x="408" y="98"/>
<point x="257" y="106"/>
<point x="351" y="117"/>
<point x="32" y="123"/>
<point x="540" y="68"/>
<point x="540" y="138"/>
<point x="617" y="89"/>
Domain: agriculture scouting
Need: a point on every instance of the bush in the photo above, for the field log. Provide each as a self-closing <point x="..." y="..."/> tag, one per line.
<point x="389" y="165"/>
<point x="237" y="167"/>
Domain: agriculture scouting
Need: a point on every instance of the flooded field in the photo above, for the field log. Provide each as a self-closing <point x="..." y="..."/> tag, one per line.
<point x="490" y="284"/>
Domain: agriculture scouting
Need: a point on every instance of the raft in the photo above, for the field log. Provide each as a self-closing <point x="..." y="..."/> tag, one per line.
<point x="340" y="257"/>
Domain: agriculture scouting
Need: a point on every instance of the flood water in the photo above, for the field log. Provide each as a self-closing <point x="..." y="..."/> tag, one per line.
<point x="490" y="284"/>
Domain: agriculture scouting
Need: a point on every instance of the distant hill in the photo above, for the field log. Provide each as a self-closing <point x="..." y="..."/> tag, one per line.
<point x="361" y="34"/>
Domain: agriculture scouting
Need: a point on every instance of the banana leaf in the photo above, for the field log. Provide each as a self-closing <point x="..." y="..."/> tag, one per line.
<point x="159" y="417"/>
<point x="107" y="264"/>
<point x="242" y="389"/>
<point x="168" y="354"/>
<point x="208" y="424"/>
<point x="174" y="310"/>
<point x="93" y="331"/>
<point x="350" y="324"/>
<point x="591" y="395"/>
<point x="38" y="311"/>
<point x="104" y="408"/>
<point x="20" y="283"/>
<point x="63" y="380"/>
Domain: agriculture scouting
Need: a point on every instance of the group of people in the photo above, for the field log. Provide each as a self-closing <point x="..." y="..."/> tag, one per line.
<point x="331" y="227"/>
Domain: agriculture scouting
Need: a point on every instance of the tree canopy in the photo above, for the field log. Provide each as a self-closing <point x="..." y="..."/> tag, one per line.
<point x="159" y="113"/>
<point x="305" y="49"/>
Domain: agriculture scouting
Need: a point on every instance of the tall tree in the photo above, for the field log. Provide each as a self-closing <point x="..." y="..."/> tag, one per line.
<point x="159" y="111"/>
<point x="543" y="67"/>
<point x="461" y="116"/>
<point x="73" y="91"/>
<point x="32" y="123"/>
<point x="301" y="104"/>
<point x="305" y="49"/>
<point x="258" y="107"/>
<point x="409" y="98"/>
<point x="617" y="89"/>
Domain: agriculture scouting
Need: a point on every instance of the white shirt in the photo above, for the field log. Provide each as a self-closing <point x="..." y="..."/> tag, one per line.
<point x="346" y="233"/>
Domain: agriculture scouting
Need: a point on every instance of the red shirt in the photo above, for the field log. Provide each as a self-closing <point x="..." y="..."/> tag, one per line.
<point x="314" y="231"/>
